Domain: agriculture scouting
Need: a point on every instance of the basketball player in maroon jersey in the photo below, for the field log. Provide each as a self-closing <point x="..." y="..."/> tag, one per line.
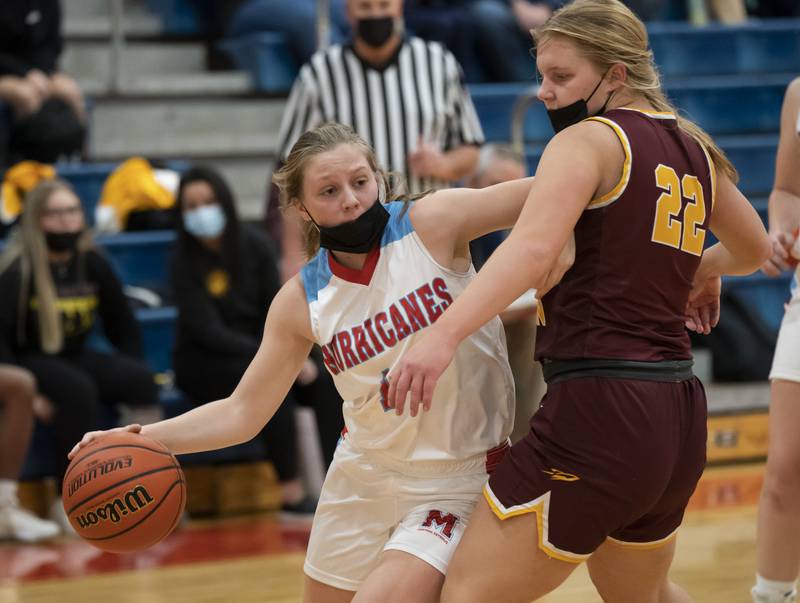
<point x="618" y="446"/>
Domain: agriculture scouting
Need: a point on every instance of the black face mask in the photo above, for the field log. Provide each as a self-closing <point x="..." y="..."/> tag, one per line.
<point x="375" y="31"/>
<point x="357" y="236"/>
<point x="578" y="111"/>
<point x="62" y="241"/>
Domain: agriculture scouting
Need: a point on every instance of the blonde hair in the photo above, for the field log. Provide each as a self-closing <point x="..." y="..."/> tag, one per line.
<point x="608" y="33"/>
<point x="27" y="244"/>
<point x="289" y="179"/>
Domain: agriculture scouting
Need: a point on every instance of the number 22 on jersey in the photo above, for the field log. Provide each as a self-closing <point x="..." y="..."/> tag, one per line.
<point x="668" y="229"/>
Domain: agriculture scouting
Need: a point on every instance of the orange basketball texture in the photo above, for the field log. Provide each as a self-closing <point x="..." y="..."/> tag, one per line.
<point x="124" y="492"/>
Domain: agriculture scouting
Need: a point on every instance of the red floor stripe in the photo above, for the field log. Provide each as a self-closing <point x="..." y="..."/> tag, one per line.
<point x="74" y="558"/>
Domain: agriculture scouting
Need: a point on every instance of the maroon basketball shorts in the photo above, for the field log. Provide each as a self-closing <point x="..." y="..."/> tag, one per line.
<point x="605" y="458"/>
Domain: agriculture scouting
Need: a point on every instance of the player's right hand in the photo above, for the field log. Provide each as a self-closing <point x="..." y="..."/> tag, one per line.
<point x="703" y="306"/>
<point x="780" y="260"/>
<point x="91" y="436"/>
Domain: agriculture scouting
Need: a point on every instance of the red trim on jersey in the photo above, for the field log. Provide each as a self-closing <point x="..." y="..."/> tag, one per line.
<point x="495" y="455"/>
<point x="360" y="277"/>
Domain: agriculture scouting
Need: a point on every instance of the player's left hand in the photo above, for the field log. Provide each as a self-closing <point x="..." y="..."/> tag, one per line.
<point x="418" y="371"/>
<point x="702" y="309"/>
<point x="426" y="161"/>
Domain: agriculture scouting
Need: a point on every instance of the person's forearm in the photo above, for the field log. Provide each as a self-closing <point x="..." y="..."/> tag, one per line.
<point x="516" y="266"/>
<point x="208" y="427"/>
<point x="718" y="261"/>
<point x="784" y="211"/>
<point x="459" y="163"/>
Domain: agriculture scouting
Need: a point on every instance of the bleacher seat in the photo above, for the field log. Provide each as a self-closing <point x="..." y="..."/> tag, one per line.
<point x="753" y="157"/>
<point x="724" y="105"/>
<point x="141" y="258"/>
<point x="746" y="104"/>
<point x="87" y="179"/>
<point x="765" y="295"/>
<point x="769" y="46"/>
<point x="266" y="57"/>
<point x="158" y="335"/>
<point x="177" y="16"/>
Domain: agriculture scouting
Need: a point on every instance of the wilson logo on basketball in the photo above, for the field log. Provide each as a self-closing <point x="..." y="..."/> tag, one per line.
<point x="97" y="469"/>
<point x="131" y="502"/>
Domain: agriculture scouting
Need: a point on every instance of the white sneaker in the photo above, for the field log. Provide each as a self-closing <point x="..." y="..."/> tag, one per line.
<point x="59" y="516"/>
<point x="788" y="597"/>
<point x="17" y="523"/>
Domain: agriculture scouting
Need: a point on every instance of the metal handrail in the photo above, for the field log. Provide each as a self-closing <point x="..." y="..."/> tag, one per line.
<point x="116" y="67"/>
<point x="323" y="24"/>
<point x="521" y="105"/>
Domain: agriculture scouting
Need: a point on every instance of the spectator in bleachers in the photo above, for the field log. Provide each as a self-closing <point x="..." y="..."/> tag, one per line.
<point x="45" y="101"/>
<point x="55" y="288"/>
<point x="778" y="540"/>
<point x="403" y="95"/>
<point x="17" y="395"/>
<point x="774" y="8"/>
<point x="297" y="19"/>
<point x="500" y="33"/>
<point x="730" y="12"/>
<point x="500" y="163"/>
<point x="224" y="275"/>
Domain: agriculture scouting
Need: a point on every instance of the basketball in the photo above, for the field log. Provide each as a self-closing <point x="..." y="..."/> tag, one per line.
<point x="124" y="492"/>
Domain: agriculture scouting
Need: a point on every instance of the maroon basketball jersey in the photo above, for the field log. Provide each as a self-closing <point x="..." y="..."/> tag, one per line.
<point x="637" y="249"/>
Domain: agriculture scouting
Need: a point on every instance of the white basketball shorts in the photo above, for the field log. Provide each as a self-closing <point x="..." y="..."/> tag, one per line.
<point x="786" y="362"/>
<point x="366" y="508"/>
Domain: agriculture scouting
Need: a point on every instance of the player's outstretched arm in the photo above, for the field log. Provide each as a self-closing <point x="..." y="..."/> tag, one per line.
<point x="784" y="202"/>
<point x="567" y="178"/>
<point x="449" y="219"/>
<point x="239" y="417"/>
<point x="743" y="242"/>
<point x="466" y="213"/>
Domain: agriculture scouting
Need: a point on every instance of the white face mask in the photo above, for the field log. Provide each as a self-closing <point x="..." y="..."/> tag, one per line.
<point x="205" y="222"/>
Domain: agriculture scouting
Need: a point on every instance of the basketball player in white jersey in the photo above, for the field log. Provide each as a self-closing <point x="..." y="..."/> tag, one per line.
<point x="778" y="540"/>
<point x="401" y="488"/>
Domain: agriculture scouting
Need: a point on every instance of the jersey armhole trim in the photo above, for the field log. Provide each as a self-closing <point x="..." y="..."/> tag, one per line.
<point x="712" y="172"/>
<point x="616" y="192"/>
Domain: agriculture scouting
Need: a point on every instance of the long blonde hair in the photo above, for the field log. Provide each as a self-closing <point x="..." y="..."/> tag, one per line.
<point x="27" y="244"/>
<point x="289" y="179"/>
<point x="608" y="33"/>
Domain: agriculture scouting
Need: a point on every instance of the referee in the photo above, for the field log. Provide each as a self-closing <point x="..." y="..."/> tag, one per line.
<point x="402" y="94"/>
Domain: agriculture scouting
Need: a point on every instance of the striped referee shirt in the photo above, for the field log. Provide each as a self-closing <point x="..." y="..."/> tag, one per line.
<point x="418" y="93"/>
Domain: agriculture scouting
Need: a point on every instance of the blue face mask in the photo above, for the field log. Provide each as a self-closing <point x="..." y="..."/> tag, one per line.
<point x="206" y="222"/>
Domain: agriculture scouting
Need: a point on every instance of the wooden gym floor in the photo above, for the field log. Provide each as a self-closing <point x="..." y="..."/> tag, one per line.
<point x="257" y="558"/>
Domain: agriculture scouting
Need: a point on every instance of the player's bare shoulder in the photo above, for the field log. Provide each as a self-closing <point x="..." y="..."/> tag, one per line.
<point x="289" y="310"/>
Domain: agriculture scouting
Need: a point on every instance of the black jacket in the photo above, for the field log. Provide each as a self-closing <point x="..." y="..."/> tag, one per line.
<point x="219" y="312"/>
<point x="87" y="289"/>
<point x="30" y="36"/>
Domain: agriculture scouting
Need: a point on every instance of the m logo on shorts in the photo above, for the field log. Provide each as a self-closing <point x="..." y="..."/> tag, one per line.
<point x="439" y="525"/>
<point x="560" y="476"/>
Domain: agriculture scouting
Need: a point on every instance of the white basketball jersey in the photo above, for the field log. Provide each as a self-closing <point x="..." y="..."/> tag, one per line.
<point x="364" y="320"/>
